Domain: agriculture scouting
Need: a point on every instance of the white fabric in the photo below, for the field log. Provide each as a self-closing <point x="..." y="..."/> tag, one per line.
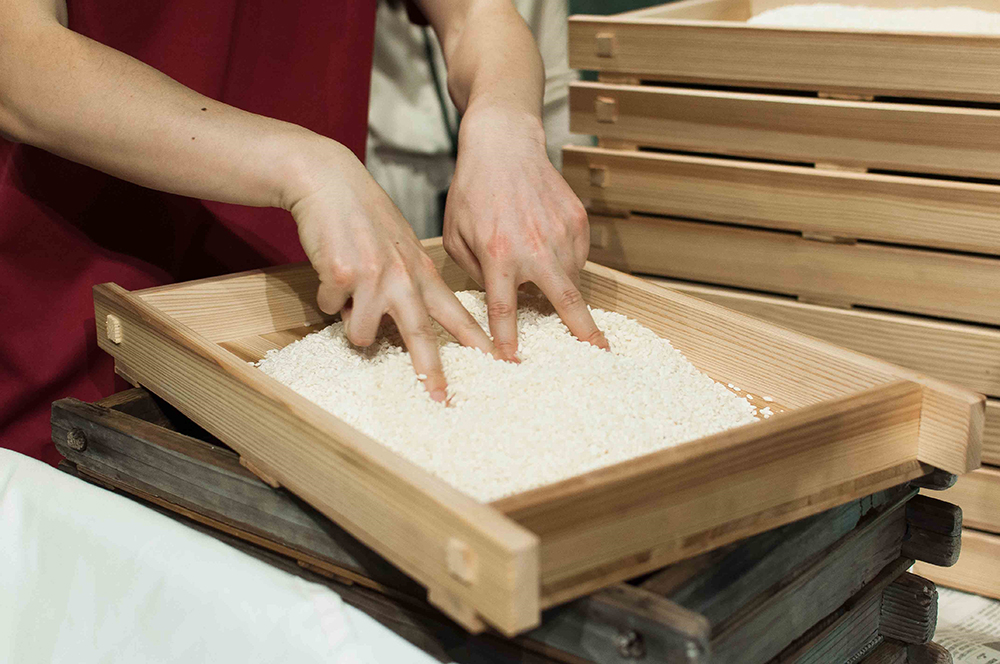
<point x="408" y="148"/>
<point x="87" y="576"/>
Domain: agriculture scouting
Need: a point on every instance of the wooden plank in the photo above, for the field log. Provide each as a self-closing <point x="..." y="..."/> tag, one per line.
<point x="965" y="354"/>
<point x="909" y="280"/>
<point x="978" y="494"/>
<point x="693" y="50"/>
<point x="394" y="507"/>
<point x="718" y="583"/>
<point x="618" y="515"/>
<point x="787" y="611"/>
<point x="208" y="483"/>
<point x="944" y="214"/>
<point x="234" y="306"/>
<point x="976" y="569"/>
<point x="908" y="137"/>
<point x="708" y="10"/>
<point x="991" y="433"/>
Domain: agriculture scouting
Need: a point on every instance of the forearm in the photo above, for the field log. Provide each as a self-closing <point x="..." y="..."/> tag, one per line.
<point x="491" y="55"/>
<point x="89" y="103"/>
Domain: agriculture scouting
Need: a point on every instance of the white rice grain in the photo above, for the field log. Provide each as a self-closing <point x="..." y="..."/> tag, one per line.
<point x="831" y="16"/>
<point x="566" y="409"/>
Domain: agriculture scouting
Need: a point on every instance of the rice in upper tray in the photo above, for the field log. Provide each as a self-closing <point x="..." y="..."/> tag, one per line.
<point x="566" y="409"/>
<point x="958" y="20"/>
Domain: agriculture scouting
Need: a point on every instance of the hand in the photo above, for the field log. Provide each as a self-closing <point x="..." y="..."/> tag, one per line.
<point x="370" y="263"/>
<point x="511" y="219"/>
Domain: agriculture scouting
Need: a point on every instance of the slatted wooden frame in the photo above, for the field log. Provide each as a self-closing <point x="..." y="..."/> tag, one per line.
<point x="854" y="425"/>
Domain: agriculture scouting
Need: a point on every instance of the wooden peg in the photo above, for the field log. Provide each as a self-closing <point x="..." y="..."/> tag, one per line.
<point x="606" y="109"/>
<point x="607" y="45"/>
<point x="599" y="176"/>
<point x="935" y="479"/>
<point x="461" y="560"/>
<point x="113" y="328"/>
<point x="930" y="547"/>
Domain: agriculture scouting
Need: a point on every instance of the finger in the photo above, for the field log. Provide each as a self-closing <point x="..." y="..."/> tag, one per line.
<point x="461" y="254"/>
<point x="331" y="299"/>
<point x="571" y="307"/>
<point x="362" y="318"/>
<point x="421" y="341"/>
<point x="444" y="307"/>
<point x="501" y="308"/>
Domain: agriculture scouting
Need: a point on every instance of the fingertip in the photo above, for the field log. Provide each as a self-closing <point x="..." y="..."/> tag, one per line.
<point x="440" y="395"/>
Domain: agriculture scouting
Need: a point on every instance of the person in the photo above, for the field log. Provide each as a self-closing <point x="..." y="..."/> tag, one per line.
<point x="142" y="136"/>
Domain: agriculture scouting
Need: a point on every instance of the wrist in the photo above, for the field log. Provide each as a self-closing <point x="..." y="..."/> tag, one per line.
<point x="499" y="118"/>
<point x="305" y="163"/>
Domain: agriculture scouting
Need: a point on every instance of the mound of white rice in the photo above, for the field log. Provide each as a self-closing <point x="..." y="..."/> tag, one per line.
<point x="567" y="408"/>
<point x="961" y="20"/>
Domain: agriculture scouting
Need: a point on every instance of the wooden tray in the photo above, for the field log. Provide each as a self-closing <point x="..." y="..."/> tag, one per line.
<point x="853" y="426"/>
<point x="839" y="573"/>
<point x="708" y="41"/>
<point x="960" y="353"/>
<point x="924" y="212"/>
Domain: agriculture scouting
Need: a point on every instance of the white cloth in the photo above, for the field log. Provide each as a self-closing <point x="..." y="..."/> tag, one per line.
<point x="87" y="576"/>
<point x="408" y="147"/>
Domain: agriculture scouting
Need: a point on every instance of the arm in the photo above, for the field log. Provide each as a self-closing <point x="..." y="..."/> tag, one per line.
<point x="77" y="98"/>
<point x="510" y="217"/>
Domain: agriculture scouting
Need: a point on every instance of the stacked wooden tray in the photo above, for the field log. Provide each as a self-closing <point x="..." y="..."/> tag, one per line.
<point x="848" y="426"/>
<point x="845" y="184"/>
<point x="828" y="588"/>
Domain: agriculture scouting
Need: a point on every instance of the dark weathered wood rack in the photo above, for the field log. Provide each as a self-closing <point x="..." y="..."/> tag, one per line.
<point x="829" y="588"/>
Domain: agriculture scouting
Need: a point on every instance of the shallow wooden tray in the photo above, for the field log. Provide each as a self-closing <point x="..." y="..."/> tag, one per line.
<point x="961" y="353"/>
<point x="709" y="42"/>
<point x="851" y="426"/>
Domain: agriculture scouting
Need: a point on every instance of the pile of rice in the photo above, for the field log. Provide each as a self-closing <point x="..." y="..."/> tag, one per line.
<point x="567" y="408"/>
<point x="961" y="20"/>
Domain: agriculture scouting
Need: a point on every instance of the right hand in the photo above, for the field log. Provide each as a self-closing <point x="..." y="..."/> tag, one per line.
<point x="370" y="264"/>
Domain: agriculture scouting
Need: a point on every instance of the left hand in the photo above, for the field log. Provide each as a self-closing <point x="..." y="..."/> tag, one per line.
<point x="511" y="218"/>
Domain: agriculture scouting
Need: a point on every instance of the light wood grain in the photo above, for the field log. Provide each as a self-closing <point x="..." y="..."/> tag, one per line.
<point x="856" y="447"/>
<point x="693" y="47"/>
<point x="978" y="494"/>
<point x="976" y="569"/>
<point x="965" y="354"/>
<point x="909" y="137"/>
<point x="991" y="433"/>
<point x="904" y="210"/>
<point x="901" y="279"/>
<point x="394" y="507"/>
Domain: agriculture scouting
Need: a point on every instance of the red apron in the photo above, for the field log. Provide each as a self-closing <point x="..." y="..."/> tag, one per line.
<point x="65" y="227"/>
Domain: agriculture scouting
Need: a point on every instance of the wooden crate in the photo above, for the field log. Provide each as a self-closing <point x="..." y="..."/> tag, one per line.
<point x="852" y="425"/>
<point x="709" y="42"/>
<point x="839" y="574"/>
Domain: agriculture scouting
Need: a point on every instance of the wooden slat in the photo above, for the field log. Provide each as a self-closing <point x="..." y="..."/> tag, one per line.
<point x="903" y="210"/>
<point x="232" y="306"/>
<point x="991" y="433"/>
<point x="618" y="515"/>
<point x="394" y="507"/>
<point x="976" y="569"/>
<point x="909" y="137"/>
<point x="978" y="494"/>
<point x="689" y="49"/>
<point x="908" y="280"/>
<point x="965" y="354"/>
